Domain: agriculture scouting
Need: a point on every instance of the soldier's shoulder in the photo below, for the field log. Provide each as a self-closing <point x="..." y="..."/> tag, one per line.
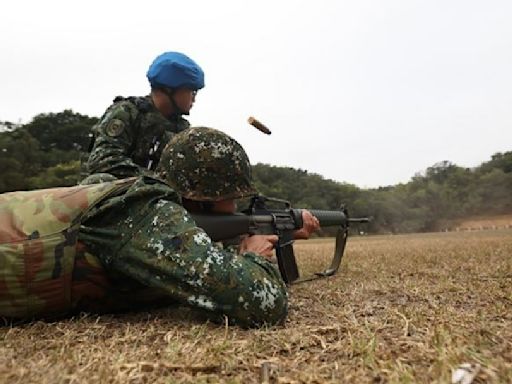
<point x="131" y="104"/>
<point x="119" y="116"/>
<point x="142" y="104"/>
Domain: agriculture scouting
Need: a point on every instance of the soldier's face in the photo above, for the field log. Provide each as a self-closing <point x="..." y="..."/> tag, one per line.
<point x="224" y="206"/>
<point x="184" y="99"/>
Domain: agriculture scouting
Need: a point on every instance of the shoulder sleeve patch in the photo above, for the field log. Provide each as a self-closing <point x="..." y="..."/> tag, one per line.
<point x="114" y="127"/>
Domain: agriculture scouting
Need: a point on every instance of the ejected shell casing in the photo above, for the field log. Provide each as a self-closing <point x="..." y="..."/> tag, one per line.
<point x="258" y="125"/>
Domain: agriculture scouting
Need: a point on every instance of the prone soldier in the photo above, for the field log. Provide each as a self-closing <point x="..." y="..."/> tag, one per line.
<point x="130" y="243"/>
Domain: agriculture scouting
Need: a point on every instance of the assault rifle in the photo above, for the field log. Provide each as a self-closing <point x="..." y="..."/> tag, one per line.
<point x="260" y="219"/>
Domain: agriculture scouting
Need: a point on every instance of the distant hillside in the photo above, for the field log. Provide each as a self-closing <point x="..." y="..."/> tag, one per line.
<point x="443" y="193"/>
<point x="46" y="152"/>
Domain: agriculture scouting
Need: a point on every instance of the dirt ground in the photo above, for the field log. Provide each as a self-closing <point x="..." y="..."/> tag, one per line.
<point x="403" y="309"/>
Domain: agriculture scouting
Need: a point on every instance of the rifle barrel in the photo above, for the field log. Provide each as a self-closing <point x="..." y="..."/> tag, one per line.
<point x="226" y="226"/>
<point x="329" y="218"/>
<point x="359" y="220"/>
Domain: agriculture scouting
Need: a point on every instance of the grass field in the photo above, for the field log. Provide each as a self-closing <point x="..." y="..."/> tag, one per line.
<point x="403" y="309"/>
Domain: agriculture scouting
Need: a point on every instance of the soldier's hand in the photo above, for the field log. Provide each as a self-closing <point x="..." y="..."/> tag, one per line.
<point x="310" y="224"/>
<point x="261" y="244"/>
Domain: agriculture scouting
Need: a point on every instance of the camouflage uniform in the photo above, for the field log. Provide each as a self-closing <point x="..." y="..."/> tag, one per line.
<point x="130" y="136"/>
<point x="123" y="245"/>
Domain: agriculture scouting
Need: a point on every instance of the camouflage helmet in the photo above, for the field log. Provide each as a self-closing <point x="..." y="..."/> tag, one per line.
<point x="207" y="165"/>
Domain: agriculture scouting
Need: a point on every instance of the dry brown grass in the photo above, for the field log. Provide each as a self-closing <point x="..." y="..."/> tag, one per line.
<point x="403" y="309"/>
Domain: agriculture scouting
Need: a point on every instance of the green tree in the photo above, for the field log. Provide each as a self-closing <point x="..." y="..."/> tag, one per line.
<point x="60" y="175"/>
<point x="19" y="159"/>
<point x="64" y="131"/>
<point x="499" y="160"/>
<point x="45" y="152"/>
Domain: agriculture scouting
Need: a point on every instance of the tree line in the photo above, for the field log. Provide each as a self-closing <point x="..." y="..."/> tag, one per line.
<point x="48" y="151"/>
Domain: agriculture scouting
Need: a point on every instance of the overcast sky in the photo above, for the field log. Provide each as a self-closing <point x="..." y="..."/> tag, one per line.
<point x="367" y="92"/>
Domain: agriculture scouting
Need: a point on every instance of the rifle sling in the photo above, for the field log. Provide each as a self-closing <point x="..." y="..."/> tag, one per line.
<point x="341" y="241"/>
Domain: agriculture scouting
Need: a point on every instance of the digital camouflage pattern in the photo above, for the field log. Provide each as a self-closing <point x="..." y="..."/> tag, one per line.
<point x="38" y="245"/>
<point x="147" y="236"/>
<point x="130" y="136"/>
<point x="125" y="244"/>
<point x="207" y="165"/>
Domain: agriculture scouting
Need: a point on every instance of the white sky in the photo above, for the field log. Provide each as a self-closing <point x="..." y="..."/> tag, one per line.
<point x="365" y="91"/>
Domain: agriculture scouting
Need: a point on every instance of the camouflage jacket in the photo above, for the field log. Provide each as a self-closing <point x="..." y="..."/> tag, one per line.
<point x="135" y="246"/>
<point x="130" y="136"/>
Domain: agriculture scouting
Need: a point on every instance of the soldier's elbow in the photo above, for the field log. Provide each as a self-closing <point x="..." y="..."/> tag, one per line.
<point x="262" y="305"/>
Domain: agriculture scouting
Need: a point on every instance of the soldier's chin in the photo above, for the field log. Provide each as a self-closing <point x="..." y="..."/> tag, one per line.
<point x="186" y="111"/>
